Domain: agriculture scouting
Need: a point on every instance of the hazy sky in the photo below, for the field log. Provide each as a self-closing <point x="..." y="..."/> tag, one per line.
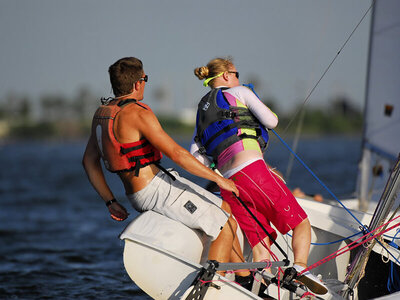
<point x="54" y="46"/>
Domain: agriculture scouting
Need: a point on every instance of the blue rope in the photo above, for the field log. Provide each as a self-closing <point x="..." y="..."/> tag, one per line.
<point x="330" y="192"/>
<point x="391" y="237"/>
<point x="316" y="177"/>
<point x="393" y="284"/>
<point x="251" y="86"/>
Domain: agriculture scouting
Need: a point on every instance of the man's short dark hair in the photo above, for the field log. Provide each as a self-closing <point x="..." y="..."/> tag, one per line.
<point x="124" y="73"/>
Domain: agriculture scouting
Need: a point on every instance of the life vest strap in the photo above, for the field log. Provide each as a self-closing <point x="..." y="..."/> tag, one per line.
<point x="240" y="124"/>
<point x="126" y="101"/>
<point x="134" y="148"/>
<point x="139" y="157"/>
<point x="165" y="171"/>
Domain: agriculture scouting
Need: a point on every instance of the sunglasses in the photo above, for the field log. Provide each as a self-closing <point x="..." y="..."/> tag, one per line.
<point x="236" y="74"/>
<point x="145" y="78"/>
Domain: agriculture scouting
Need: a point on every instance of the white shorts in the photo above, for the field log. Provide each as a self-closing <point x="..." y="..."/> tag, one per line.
<point x="183" y="201"/>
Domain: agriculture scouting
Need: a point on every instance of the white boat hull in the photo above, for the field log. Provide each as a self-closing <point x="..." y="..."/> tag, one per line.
<point x="163" y="258"/>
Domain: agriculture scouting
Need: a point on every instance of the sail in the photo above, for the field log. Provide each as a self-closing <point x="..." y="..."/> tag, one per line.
<point x="381" y="138"/>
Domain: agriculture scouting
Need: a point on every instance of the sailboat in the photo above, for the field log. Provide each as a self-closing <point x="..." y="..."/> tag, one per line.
<point x="354" y="241"/>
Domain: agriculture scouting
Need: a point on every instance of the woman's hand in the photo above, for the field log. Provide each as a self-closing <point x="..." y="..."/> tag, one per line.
<point x="228" y="185"/>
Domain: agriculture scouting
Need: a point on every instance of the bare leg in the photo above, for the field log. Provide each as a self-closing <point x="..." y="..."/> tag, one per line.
<point x="260" y="253"/>
<point x="226" y="247"/>
<point x="301" y="241"/>
<point x="221" y="248"/>
<point x="237" y="256"/>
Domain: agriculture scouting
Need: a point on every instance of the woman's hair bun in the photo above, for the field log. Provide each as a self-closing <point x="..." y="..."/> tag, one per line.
<point x="201" y="72"/>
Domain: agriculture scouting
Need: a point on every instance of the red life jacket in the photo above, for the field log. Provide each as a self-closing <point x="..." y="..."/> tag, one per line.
<point x="121" y="157"/>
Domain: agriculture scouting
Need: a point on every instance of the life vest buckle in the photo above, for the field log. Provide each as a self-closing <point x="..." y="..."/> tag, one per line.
<point x="227" y="114"/>
<point x="202" y="150"/>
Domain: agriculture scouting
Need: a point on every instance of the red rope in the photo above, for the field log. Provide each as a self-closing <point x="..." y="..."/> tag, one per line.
<point x="307" y="294"/>
<point x="352" y="245"/>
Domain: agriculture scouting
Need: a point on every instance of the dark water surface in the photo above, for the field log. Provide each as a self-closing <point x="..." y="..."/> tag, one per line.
<point x="57" y="240"/>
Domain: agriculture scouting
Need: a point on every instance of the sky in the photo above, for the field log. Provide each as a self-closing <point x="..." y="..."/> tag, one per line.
<point x="57" y="47"/>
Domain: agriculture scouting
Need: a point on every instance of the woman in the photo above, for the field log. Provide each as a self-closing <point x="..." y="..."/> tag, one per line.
<point x="231" y="128"/>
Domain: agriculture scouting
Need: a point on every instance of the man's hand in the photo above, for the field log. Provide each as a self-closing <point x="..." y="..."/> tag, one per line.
<point x="118" y="212"/>
<point x="228" y="185"/>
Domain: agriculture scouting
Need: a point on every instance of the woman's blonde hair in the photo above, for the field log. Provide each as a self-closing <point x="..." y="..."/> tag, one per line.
<point x="213" y="68"/>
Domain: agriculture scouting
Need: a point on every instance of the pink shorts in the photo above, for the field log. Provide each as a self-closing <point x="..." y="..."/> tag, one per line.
<point x="269" y="200"/>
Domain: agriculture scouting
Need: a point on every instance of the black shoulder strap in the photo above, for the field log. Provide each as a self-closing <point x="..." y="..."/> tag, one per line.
<point x="126" y="101"/>
<point x="137" y="103"/>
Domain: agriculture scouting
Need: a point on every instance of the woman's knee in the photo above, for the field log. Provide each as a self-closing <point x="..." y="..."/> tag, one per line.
<point x="261" y="250"/>
<point x="304" y="226"/>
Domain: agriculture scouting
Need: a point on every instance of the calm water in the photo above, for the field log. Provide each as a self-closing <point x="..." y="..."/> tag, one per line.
<point x="57" y="240"/>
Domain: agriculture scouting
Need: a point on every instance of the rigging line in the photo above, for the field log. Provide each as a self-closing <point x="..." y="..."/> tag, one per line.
<point x="262" y="227"/>
<point x="330" y="192"/>
<point x="251" y="86"/>
<point x="317" y="178"/>
<point x="326" y="70"/>
<point x="361" y="241"/>
<point x="334" y="242"/>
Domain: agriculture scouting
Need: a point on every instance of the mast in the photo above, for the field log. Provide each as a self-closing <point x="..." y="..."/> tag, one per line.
<point x="381" y="213"/>
<point x="366" y="154"/>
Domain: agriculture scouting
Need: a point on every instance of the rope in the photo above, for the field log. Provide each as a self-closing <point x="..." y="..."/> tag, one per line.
<point x="329" y="66"/>
<point x="330" y="192"/>
<point x="393" y="284"/>
<point x="319" y="180"/>
<point x="354" y="244"/>
<point x="261" y="226"/>
<point x="316" y="177"/>
<point x="308" y="294"/>
<point x="334" y="242"/>
<point x="251" y="86"/>
<point x="251" y="220"/>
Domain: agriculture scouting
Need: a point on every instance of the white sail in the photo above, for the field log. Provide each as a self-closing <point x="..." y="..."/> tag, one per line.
<point x="381" y="139"/>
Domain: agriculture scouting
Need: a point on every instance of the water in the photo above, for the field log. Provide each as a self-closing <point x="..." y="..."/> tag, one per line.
<point x="57" y="239"/>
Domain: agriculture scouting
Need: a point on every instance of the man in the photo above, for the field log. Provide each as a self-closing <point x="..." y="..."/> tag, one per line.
<point x="128" y="137"/>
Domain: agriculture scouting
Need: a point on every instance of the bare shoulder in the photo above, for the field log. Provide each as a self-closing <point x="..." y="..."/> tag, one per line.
<point x="129" y="123"/>
<point x="134" y="112"/>
<point x="138" y="116"/>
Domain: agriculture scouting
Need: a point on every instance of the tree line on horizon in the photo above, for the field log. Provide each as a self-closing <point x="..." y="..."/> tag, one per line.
<point x="58" y="117"/>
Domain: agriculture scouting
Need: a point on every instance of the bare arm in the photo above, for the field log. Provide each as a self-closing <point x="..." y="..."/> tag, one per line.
<point x="151" y="129"/>
<point x="91" y="164"/>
